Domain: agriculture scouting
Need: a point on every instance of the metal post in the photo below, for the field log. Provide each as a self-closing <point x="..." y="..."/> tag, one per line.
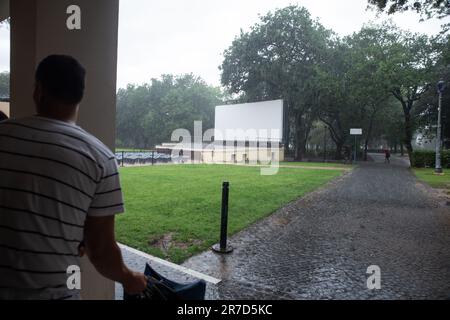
<point x="153" y="158"/>
<point x="222" y="247"/>
<point x="123" y="159"/>
<point x="325" y="145"/>
<point x="438" y="138"/>
<point x="355" y="157"/>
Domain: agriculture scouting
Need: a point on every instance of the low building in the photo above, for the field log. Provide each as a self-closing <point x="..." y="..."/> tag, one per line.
<point x="243" y="133"/>
<point x="258" y="153"/>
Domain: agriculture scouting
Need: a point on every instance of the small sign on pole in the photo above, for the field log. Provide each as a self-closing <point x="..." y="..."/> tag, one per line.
<point x="356" y="132"/>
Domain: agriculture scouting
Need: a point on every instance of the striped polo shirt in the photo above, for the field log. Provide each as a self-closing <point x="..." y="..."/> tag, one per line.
<point x="52" y="175"/>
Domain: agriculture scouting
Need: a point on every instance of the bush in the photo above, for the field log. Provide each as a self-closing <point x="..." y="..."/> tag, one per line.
<point x="427" y="159"/>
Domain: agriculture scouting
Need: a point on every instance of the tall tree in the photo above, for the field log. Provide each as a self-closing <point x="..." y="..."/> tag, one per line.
<point x="337" y="108"/>
<point x="410" y="63"/>
<point x="278" y="58"/>
<point x="369" y="79"/>
<point x="148" y="114"/>
<point x="354" y="87"/>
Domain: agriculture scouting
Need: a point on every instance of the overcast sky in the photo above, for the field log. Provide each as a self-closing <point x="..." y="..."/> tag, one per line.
<point x="189" y="36"/>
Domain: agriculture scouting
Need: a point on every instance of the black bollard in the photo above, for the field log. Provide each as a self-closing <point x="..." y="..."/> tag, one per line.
<point x="223" y="247"/>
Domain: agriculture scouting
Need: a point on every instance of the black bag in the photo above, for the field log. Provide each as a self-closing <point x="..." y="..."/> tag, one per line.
<point x="160" y="288"/>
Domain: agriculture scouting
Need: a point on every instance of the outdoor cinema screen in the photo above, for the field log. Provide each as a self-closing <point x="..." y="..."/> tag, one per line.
<point x="259" y="121"/>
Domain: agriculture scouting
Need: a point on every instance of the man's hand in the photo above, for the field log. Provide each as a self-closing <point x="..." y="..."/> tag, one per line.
<point x="135" y="283"/>
<point x="81" y="249"/>
<point x="101" y="248"/>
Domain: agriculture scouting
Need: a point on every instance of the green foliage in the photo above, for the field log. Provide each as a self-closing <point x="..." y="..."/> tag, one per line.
<point x="410" y="64"/>
<point x="148" y="114"/>
<point x="427" y="159"/>
<point x="428" y="8"/>
<point x="427" y="108"/>
<point x="182" y="203"/>
<point x="279" y="58"/>
<point x="378" y="80"/>
<point x="355" y="87"/>
<point x="373" y="79"/>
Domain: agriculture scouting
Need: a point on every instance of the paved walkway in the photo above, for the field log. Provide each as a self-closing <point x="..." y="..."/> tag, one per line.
<point x="137" y="260"/>
<point x="320" y="247"/>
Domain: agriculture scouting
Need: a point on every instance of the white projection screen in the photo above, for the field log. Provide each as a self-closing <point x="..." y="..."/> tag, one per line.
<point x="264" y="118"/>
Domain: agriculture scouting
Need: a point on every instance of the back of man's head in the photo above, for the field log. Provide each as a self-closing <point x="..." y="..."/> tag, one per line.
<point x="61" y="79"/>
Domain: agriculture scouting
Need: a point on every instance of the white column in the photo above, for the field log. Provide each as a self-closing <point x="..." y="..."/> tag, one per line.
<point x="40" y="28"/>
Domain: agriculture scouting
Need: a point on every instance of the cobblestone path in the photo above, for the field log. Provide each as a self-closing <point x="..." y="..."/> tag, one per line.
<point x="320" y="247"/>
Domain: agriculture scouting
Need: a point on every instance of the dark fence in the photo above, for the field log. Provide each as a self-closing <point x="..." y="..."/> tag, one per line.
<point x="133" y="158"/>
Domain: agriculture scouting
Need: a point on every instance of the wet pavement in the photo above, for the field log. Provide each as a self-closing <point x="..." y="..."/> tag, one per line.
<point x="320" y="246"/>
<point x="137" y="262"/>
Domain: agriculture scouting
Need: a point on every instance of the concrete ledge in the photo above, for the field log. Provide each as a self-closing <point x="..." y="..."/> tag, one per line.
<point x="173" y="266"/>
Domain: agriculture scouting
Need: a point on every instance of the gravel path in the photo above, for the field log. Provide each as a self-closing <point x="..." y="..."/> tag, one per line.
<point x="320" y="247"/>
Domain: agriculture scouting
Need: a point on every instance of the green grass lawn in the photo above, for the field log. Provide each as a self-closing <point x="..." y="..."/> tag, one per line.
<point x="174" y="211"/>
<point x="435" y="181"/>
<point x="317" y="164"/>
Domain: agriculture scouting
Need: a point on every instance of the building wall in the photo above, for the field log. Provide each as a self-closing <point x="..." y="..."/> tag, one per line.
<point x="38" y="29"/>
<point x="231" y="155"/>
<point x="243" y="155"/>
<point x="4" y="107"/>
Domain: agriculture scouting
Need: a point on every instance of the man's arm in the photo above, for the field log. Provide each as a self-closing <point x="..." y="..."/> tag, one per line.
<point x="105" y="254"/>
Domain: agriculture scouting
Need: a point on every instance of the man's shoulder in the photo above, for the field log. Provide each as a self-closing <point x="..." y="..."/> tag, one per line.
<point x="98" y="145"/>
<point x="95" y="143"/>
<point x="73" y="132"/>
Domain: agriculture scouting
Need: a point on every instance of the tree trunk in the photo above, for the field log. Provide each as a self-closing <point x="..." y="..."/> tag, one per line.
<point x="339" y="147"/>
<point x="300" y="150"/>
<point x="299" y="145"/>
<point x="338" y="140"/>
<point x="408" y="134"/>
<point x="301" y="138"/>
<point x="369" y="134"/>
<point x="366" y="149"/>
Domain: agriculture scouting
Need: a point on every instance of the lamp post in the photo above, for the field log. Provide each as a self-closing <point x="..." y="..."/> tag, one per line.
<point x="325" y="145"/>
<point x="440" y="88"/>
<point x="356" y="133"/>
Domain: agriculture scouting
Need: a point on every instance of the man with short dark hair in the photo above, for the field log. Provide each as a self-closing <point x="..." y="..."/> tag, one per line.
<point x="59" y="187"/>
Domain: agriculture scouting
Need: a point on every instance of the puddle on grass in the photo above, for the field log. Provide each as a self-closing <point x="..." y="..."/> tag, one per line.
<point x="168" y="242"/>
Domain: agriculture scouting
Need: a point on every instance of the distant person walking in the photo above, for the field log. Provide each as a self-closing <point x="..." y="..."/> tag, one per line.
<point x="59" y="188"/>
<point x="387" y="155"/>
